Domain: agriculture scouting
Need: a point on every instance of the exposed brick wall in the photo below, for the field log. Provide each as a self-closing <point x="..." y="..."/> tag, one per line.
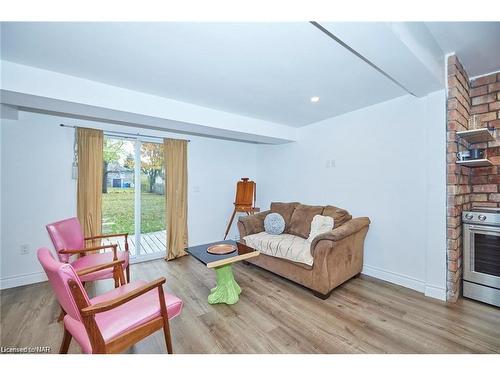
<point x="458" y="177"/>
<point x="467" y="186"/>
<point x="485" y="99"/>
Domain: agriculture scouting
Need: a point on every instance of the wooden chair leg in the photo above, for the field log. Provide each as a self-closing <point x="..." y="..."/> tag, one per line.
<point x="168" y="338"/>
<point x="61" y="316"/>
<point x="65" y="342"/>
<point x="119" y="276"/>
<point x="128" y="273"/>
<point x="229" y="224"/>
<point x="164" y="315"/>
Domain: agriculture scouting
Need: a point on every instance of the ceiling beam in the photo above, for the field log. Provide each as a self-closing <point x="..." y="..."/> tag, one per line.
<point x="39" y="90"/>
<point x="404" y="52"/>
<point x="360" y="56"/>
<point x="8" y="112"/>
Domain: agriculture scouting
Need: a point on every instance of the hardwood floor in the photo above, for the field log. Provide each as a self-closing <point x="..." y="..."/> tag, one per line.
<point x="365" y="315"/>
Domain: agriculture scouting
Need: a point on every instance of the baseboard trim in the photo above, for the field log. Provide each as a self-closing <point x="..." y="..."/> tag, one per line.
<point x="435" y="292"/>
<point x="432" y="291"/>
<point x="20" y="280"/>
<point x="395" y="278"/>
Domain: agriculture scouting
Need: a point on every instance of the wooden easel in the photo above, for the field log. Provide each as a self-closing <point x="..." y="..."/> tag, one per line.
<point x="244" y="201"/>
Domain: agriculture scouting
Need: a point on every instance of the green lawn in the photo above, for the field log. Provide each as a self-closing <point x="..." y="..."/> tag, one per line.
<point x="118" y="211"/>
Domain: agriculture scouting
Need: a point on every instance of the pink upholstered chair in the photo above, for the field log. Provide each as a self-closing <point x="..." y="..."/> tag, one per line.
<point x="68" y="240"/>
<point x="114" y="321"/>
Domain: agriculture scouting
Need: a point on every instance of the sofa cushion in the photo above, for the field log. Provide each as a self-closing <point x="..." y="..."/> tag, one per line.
<point x="302" y="216"/>
<point x="285" y="210"/>
<point x="320" y="224"/>
<point x="339" y="215"/>
<point x="253" y="223"/>
<point x="286" y="246"/>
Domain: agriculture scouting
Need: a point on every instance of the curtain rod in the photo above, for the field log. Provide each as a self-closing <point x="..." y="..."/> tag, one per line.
<point x="126" y="134"/>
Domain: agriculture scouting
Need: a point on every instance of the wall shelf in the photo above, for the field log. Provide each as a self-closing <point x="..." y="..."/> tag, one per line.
<point x="475" y="163"/>
<point x="476" y="135"/>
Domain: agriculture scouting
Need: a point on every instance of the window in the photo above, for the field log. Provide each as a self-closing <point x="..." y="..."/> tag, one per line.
<point x="133" y="198"/>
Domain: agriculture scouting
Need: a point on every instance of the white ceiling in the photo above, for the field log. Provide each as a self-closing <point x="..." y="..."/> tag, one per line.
<point x="477" y="44"/>
<point x="262" y="70"/>
<point x="266" y="71"/>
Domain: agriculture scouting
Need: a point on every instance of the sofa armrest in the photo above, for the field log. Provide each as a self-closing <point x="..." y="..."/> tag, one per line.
<point x="348" y="229"/>
<point x="251" y="224"/>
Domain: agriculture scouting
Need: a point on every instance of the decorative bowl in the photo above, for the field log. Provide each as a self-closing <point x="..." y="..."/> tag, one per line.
<point x="220" y="249"/>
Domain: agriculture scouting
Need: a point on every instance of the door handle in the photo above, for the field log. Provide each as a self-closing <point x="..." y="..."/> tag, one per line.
<point x="485" y="228"/>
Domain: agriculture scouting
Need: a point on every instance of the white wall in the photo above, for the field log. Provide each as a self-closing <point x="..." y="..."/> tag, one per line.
<point x="1" y="206"/>
<point x="389" y="166"/>
<point x="36" y="186"/>
<point x="436" y="267"/>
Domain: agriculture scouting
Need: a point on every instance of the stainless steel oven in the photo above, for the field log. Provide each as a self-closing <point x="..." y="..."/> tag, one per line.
<point x="481" y="279"/>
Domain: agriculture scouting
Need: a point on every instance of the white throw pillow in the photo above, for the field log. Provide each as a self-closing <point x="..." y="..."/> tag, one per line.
<point x="320" y="224"/>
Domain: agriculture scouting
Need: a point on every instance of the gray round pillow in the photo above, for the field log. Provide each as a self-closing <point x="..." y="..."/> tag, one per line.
<point x="274" y="223"/>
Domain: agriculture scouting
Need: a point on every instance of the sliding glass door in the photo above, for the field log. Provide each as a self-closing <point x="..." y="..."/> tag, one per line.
<point x="133" y="199"/>
<point x="152" y="199"/>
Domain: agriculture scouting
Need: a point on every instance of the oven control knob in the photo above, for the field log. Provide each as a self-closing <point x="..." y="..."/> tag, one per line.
<point x="482" y="217"/>
<point x="469" y="216"/>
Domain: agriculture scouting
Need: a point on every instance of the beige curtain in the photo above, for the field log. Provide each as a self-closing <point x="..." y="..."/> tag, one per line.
<point x="89" y="186"/>
<point x="175" y="156"/>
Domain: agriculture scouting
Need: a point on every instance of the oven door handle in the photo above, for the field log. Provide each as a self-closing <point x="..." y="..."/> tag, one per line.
<point x="484" y="228"/>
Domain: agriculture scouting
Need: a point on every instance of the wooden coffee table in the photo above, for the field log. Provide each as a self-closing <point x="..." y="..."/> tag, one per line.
<point x="227" y="289"/>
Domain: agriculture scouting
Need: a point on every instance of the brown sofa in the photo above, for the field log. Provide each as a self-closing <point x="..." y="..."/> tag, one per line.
<point x="337" y="254"/>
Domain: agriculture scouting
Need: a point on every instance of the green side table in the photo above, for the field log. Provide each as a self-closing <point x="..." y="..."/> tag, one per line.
<point x="227" y="289"/>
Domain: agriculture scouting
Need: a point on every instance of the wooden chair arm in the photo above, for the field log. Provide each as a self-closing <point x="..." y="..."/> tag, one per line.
<point x="111" y="304"/>
<point x="79" y="251"/>
<point x="86" y="271"/>
<point x="106" y="236"/>
<point x="101" y="236"/>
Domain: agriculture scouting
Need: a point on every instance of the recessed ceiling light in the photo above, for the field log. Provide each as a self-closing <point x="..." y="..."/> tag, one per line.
<point x="314" y="99"/>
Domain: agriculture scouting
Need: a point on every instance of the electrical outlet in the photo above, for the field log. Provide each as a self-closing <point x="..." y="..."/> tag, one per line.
<point x="330" y="163"/>
<point x="25" y="249"/>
